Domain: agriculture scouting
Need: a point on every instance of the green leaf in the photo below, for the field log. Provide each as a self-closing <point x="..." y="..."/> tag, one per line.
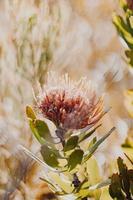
<point x="51" y="185"/>
<point x="49" y="156"/>
<point x="124" y="175"/>
<point x="121" y="184"/>
<point x="123" y="4"/>
<point x="63" y="183"/>
<point x="85" y="135"/>
<point x="71" y="143"/>
<point x="93" y="171"/>
<point x="30" y="113"/>
<point x="93" y="175"/>
<point x="115" y="187"/>
<point x="129" y="54"/>
<point x="100" y="185"/>
<point x="91" y="150"/>
<point x="40" y="130"/>
<point x="123" y="30"/>
<point x="35" y="132"/>
<point x="130" y="174"/>
<point x="92" y="142"/>
<point x="75" y="158"/>
<point x="43" y="129"/>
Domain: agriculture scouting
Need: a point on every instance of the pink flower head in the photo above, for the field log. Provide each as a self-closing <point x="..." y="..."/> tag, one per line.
<point x="70" y="104"/>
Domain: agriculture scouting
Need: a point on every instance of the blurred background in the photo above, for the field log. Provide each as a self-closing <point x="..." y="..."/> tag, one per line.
<point x="73" y="36"/>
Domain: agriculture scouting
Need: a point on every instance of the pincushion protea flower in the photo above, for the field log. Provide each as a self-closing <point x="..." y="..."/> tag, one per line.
<point x="70" y="104"/>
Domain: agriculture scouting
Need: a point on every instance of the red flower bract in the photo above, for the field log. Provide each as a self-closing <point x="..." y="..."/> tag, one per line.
<point x="71" y="111"/>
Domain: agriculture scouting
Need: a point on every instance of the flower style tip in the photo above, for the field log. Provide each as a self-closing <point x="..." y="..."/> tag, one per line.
<point x="70" y="105"/>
